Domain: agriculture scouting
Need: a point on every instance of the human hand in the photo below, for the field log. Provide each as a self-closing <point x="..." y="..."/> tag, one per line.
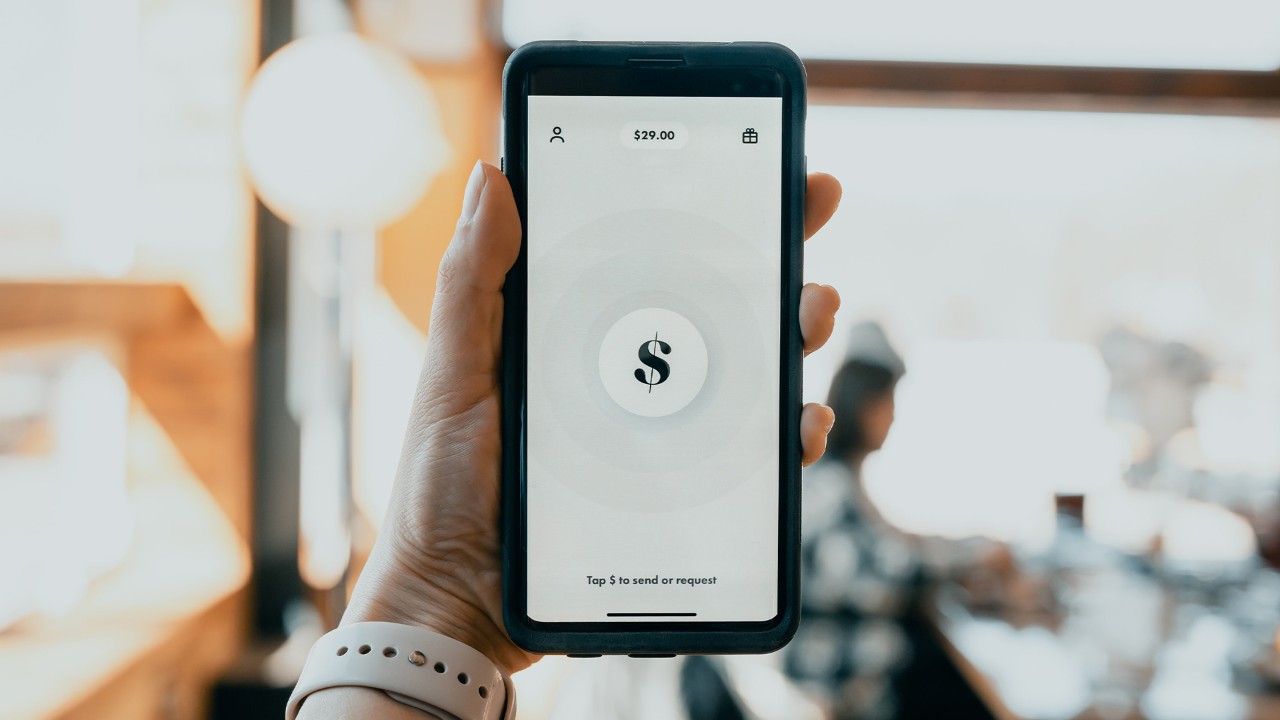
<point x="437" y="560"/>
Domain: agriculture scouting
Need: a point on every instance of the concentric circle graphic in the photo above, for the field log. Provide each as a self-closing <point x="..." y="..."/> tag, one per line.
<point x="597" y="428"/>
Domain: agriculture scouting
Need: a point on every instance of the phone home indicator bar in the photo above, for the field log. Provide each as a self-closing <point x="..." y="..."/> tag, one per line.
<point x="660" y="614"/>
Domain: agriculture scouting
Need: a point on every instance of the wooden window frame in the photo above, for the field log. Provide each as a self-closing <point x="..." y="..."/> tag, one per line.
<point x="1033" y="87"/>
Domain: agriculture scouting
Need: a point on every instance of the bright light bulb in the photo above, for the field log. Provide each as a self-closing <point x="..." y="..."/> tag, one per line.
<point x="340" y="133"/>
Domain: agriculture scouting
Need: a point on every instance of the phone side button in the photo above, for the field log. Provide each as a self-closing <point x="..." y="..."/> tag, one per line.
<point x="651" y="655"/>
<point x="584" y="655"/>
<point x="502" y="165"/>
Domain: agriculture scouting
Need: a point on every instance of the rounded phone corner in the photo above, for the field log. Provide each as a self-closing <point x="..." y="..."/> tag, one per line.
<point x="521" y="632"/>
<point x="788" y="624"/>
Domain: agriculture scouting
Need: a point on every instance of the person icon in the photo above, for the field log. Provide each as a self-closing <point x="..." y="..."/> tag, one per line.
<point x="555" y="134"/>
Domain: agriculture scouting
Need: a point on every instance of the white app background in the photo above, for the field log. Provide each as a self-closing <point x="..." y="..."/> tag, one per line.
<point x="653" y="330"/>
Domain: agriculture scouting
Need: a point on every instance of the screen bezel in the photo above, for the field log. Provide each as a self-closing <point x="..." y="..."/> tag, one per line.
<point x="735" y="70"/>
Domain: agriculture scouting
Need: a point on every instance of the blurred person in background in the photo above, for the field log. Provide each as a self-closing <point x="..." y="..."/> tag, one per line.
<point x="863" y="649"/>
<point x="1154" y="385"/>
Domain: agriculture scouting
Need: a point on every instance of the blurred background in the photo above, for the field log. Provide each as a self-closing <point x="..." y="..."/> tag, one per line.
<point x="1054" y="488"/>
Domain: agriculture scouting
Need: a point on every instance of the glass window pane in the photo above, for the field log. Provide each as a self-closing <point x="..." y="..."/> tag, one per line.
<point x="1058" y="283"/>
<point x="1227" y="34"/>
<point x="68" y="76"/>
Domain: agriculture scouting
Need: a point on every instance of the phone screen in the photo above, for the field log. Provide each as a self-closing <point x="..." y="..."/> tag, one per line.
<point x="655" y="251"/>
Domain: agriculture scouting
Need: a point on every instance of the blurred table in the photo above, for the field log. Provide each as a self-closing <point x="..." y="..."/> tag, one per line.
<point x="1115" y="644"/>
<point x="147" y="640"/>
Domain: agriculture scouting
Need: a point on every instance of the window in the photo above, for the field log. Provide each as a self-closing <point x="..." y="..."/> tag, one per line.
<point x="1022" y="262"/>
<point x="1227" y="34"/>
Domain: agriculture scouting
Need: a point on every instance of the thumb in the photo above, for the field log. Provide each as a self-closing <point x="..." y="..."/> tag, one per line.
<point x="487" y="239"/>
<point x="466" y="316"/>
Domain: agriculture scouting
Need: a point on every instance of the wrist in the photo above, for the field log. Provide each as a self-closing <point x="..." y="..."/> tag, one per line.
<point x="434" y="598"/>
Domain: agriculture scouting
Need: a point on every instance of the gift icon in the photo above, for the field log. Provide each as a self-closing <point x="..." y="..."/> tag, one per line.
<point x="750" y="136"/>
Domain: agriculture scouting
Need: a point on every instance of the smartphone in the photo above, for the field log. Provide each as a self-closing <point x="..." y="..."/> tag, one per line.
<point x="651" y="347"/>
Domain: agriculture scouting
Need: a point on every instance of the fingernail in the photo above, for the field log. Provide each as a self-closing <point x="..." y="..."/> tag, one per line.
<point x="837" y="294"/>
<point x="831" y="419"/>
<point x="475" y="188"/>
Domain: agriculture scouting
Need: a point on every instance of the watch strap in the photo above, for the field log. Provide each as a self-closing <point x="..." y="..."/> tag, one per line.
<point x="412" y="665"/>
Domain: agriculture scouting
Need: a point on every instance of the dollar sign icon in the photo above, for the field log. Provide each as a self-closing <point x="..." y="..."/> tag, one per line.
<point x="662" y="330"/>
<point x="655" y="363"/>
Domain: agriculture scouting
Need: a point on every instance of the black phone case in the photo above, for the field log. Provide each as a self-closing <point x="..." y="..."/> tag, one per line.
<point x="651" y="638"/>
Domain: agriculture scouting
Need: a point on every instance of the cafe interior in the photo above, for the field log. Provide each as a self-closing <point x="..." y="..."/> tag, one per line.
<point x="1058" y="249"/>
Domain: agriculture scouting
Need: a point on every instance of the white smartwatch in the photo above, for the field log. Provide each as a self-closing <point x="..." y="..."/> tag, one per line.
<point x="414" y="666"/>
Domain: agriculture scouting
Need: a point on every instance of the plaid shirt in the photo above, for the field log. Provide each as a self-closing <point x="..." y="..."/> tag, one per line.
<point x="860" y="578"/>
